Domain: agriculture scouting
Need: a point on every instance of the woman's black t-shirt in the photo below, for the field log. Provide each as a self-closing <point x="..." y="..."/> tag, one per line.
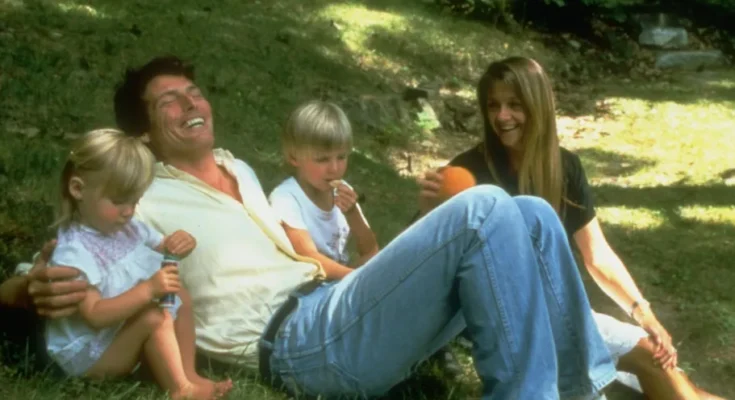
<point x="576" y="212"/>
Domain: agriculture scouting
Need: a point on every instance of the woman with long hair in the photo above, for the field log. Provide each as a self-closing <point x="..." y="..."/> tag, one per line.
<point x="521" y="153"/>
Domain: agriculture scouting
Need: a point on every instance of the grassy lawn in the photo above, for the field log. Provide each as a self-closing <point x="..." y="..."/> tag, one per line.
<point x="658" y="153"/>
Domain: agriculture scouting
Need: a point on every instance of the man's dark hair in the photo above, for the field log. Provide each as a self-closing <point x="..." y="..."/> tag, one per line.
<point x="131" y="113"/>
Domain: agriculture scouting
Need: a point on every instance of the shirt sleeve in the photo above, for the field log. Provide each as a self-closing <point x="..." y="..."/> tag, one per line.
<point x="75" y="256"/>
<point x="150" y="236"/>
<point x="287" y="208"/>
<point x="473" y="160"/>
<point x="579" y="207"/>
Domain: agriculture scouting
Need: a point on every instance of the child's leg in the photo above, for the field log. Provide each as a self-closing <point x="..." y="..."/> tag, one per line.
<point x="152" y="331"/>
<point x="185" y="335"/>
<point x="656" y="382"/>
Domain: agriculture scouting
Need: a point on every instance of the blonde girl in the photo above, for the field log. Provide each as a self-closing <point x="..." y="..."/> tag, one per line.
<point x="119" y="322"/>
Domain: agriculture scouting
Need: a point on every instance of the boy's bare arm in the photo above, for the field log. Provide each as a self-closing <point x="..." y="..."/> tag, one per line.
<point x="367" y="244"/>
<point x="304" y="245"/>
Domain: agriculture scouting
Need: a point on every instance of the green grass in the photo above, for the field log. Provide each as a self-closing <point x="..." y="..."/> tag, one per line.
<point x="658" y="154"/>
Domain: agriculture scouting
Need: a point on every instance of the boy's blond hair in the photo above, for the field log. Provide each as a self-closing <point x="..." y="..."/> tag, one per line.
<point x="316" y="125"/>
<point x="116" y="165"/>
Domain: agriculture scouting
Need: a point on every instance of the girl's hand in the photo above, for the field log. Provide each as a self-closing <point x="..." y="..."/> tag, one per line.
<point x="429" y="185"/>
<point x="164" y="281"/>
<point x="179" y="243"/>
<point x="665" y="354"/>
<point x="344" y="197"/>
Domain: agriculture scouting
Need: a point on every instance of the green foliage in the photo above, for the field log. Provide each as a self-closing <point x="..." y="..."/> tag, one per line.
<point x="504" y="7"/>
<point x="480" y="8"/>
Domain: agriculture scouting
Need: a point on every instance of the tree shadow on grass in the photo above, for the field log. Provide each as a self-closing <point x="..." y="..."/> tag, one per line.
<point x="600" y="163"/>
<point x="683" y="265"/>
<point x="684" y="88"/>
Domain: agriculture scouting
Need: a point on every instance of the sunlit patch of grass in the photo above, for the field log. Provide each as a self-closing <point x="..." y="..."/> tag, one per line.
<point x="87" y="10"/>
<point x="722" y="83"/>
<point x="718" y="215"/>
<point x="412" y="45"/>
<point x="631" y="218"/>
<point x="688" y="142"/>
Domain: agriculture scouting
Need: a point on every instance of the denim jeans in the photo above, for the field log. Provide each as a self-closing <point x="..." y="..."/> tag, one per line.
<point x="499" y="266"/>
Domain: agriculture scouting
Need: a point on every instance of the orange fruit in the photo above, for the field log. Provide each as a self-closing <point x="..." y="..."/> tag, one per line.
<point x="456" y="179"/>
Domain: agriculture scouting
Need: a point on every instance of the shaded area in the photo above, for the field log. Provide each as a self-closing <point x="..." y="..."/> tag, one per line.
<point x="682" y="88"/>
<point x="665" y="198"/>
<point x="60" y="66"/>
<point x="602" y="163"/>
<point x="683" y="266"/>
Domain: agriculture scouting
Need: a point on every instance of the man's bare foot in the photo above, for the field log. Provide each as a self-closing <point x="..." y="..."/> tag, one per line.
<point x="220" y="387"/>
<point x="195" y="392"/>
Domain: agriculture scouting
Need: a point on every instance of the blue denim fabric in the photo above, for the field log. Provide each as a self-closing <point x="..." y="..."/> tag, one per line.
<point x="499" y="266"/>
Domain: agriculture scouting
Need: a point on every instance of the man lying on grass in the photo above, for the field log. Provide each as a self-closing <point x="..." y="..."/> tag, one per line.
<point x="497" y="266"/>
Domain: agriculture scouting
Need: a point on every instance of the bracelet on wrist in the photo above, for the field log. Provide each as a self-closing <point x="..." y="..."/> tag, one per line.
<point x="639" y="306"/>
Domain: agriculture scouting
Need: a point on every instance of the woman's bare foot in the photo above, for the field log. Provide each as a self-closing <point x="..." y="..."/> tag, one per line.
<point x="195" y="392"/>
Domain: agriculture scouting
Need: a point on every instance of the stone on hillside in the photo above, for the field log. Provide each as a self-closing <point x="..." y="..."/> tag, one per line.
<point x="690" y="59"/>
<point x="653" y="20"/>
<point x="380" y="111"/>
<point x="426" y="116"/>
<point x="413" y="93"/>
<point x="463" y="115"/>
<point x="666" y="38"/>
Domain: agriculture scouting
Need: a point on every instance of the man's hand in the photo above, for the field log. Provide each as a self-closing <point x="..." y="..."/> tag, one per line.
<point x="179" y="243"/>
<point x="53" y="290"/>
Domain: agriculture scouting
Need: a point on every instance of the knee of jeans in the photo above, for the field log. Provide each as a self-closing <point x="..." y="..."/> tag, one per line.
<point x="536" y="209"/>
<point x="482" y="197"/>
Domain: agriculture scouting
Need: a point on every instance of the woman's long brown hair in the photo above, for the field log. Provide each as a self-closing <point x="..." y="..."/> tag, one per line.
<point x="541" y="171"/>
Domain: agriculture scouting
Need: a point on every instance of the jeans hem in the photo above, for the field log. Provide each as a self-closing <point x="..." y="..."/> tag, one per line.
<point x="592" y="392"/>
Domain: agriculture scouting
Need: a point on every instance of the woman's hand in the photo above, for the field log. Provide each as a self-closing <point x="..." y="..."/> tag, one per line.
<point x="54" y="291"/>
<point x="429" y="184"/>
<point x="665" y="353"/>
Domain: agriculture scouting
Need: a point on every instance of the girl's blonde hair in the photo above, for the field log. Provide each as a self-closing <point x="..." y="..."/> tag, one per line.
<point x="316" y="125"/>
<point x="541" y="171"/>
<point x="117" y="166"/>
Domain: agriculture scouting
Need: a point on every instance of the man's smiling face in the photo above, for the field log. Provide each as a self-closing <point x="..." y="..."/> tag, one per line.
<point x="180" y="117"/>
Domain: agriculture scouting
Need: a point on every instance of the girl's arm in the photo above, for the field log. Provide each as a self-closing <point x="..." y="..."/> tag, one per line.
<point x="613" y="277"/>
<point x="304" y="245"/>
<point x="100" y="313"/>
<point x="367" y="245"/>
